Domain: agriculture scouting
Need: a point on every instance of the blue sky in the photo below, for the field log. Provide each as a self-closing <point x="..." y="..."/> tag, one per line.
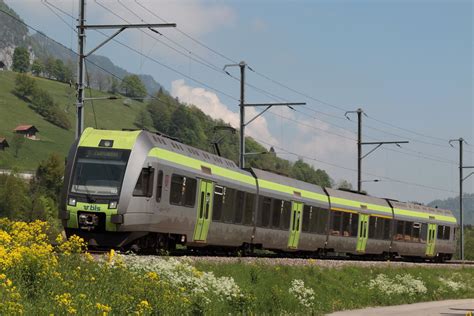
<point x="406" y="63"/>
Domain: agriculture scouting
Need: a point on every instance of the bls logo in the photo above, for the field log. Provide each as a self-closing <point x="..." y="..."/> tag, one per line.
<point x="91" y="208"/>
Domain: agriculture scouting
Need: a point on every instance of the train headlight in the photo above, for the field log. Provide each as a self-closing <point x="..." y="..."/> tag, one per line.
<point x="72" y="201"/>
<point x="113" y="205"/>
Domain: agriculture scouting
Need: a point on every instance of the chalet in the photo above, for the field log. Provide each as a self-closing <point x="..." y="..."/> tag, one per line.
<point x="29" y="131"/>
<point x="2" y="65"/>
<point x="3" y="143"/>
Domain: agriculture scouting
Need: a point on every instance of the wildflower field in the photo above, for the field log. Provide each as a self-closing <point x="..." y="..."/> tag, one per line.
<point x="37" y="279"/>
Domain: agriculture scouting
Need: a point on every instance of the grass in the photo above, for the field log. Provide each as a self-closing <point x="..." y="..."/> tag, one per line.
<point x="337" y="289"/>
<point x="37" y="279"/>
<point x="110" y="114"/>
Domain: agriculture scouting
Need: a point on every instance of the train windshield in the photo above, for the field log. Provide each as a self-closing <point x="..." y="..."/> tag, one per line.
<point x="99" y="171"/>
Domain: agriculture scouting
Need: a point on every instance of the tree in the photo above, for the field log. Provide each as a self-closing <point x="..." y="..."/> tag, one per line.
<point x="13" y="197"/>
<point x="49" y="175"/>
<point x="114" y="86"/>
<point x="344" y="184"/>
<point x="21" y="60"/>
<point x="133" y="87"/>
<point x="37" y="68"/>
<point x="24" y="85"/>
<point x="304" y="172"/>
<point x="143" y="119"/>
<point x="17" y="143"/>
<point x="49" y="65"/>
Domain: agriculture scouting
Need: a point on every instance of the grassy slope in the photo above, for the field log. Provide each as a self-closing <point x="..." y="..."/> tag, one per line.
<point x="111" y="114"/>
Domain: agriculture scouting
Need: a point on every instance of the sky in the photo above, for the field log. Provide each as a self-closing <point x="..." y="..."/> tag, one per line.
<point x="407" y="64"/>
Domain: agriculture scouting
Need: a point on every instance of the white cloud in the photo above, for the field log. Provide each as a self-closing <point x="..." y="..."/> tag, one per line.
<point x="209" y="103"/>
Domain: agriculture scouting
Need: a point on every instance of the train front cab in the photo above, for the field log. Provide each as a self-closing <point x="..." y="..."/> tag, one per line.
<point x="97" y="168"/>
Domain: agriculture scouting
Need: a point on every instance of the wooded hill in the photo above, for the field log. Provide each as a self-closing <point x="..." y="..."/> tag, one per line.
<point x="163" y="113"/>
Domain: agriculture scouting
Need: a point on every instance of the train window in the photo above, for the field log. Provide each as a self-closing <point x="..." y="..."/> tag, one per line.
<point x="440" y="232"/>
<point x="400" y="231"/>
<point x="249" y="207"/>
<point x="372" y="226"/>
<point x="159" y="186"/>
<point x="416" y="232"/>
<point x="183" y="190"/>
<point x="276" y="216"/>
<point x="423" y="232"/>
<point x="239" y="207"/>
<point x="306" y="218"/>
<point x="354" y="224"/>
<point x="144" y="186"/>
<point x="379" y="228"/>
<point x="189" y="191"/>
<point x="314" y="219"/>
<point x="346" y="224"/>
<point x="322" y="220"/>
<point x="387" y="228"/>
<point x="407" y="233"/>
<point x="219" y="196"/>
<point x="229" y="205"/>
<point x="264" y="210"/>
<point x="336" y="223"/>
<point x="447" y="231"/>
<point x="285" y="215"/>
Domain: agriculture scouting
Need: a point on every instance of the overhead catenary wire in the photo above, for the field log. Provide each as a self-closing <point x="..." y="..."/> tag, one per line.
<point x="353" y="170"/>
<point x="267" y="143"/>
<point x="338" y="107"/>
<point x="215" y="68"/>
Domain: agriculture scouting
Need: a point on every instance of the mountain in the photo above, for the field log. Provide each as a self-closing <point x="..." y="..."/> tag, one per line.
<point x="453" y="205"/>
<point x="14" y="34"/>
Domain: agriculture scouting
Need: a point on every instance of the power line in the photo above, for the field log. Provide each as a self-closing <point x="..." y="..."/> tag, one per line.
<point x="162" y="64"/>
<point x="188" y="36"/>
<point x="280" y="98"/>
<point x="354" y="170"/>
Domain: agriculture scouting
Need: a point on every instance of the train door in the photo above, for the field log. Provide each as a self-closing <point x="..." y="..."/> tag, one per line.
<point x="204" y="210"/>
<point x="295" y="224"/>
<point x="362" y="232"/>
<point x="431" y="240"/>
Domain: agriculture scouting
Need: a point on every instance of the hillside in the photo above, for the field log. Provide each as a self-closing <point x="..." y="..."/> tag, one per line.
<point x="15" y="34"/>
<point x="453" y="204"/>
<point x="111" y="114"/>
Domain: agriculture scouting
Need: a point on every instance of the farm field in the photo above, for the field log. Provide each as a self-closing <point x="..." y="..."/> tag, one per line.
<point x="36" y="278"/>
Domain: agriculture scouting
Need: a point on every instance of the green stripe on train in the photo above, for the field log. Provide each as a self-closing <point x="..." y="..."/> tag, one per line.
<point x="196" y="164"/>
<point x="122" y="139"/>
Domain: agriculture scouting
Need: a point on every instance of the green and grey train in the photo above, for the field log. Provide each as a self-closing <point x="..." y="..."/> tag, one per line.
<point x="144" y="191"/>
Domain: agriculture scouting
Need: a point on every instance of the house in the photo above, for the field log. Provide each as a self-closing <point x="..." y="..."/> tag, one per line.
<point x="3" y="143"/>
<point x="2" y="65"/>
<point x="29" y="131"/>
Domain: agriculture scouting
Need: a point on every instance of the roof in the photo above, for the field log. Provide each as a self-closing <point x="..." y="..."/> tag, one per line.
<point x="3" y="139"/>
<point x="20" y="128"/>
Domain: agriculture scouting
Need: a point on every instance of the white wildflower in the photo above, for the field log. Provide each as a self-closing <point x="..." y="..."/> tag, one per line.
<point x="303" y="294"/>
<point x="400" y="284"/>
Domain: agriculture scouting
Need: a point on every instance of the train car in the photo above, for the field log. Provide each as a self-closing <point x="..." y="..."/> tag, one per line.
<point x="147" y="192"/>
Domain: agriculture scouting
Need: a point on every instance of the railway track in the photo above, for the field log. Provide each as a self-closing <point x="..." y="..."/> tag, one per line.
<point x="292" y="261"/>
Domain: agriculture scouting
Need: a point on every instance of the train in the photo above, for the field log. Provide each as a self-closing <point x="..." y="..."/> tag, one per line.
<point x="147" y="192"/>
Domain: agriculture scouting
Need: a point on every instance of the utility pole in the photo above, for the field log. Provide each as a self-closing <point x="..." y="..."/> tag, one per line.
<point x="82" y="27"/>
<point x="359" y="112"/>
<point x="242" y="66"/>
<point x="242" y="106"/>
<point x="461" y="180"/>
<point x="81" y="35"/>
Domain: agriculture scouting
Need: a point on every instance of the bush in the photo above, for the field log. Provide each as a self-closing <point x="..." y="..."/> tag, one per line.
<point x="44" y="104"/>
<point x="24" y="85"/>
